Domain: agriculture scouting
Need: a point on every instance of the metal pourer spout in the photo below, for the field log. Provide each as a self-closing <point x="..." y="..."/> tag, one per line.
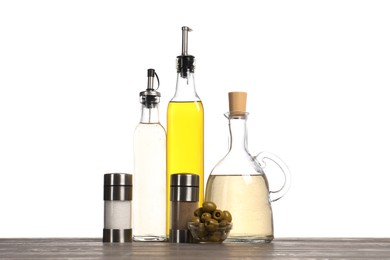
<point x="184" y="42"/>
<point x="150" y="97"/>
<point x="185" y="62"/>
<point x="151" y="73"/>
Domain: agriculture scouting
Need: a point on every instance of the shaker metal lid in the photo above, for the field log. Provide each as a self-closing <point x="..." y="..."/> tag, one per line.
<point x="118" y="179"/>
<point x="185" y="180"/>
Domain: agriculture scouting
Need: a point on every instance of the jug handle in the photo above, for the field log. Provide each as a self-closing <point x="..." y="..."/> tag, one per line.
<point x="277" y="194"/>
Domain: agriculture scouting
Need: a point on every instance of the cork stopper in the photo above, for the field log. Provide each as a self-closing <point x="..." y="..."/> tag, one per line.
<point x="237" y="103"/>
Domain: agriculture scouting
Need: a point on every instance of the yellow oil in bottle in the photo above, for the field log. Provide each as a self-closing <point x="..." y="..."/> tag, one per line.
<point x="184" y="143"/>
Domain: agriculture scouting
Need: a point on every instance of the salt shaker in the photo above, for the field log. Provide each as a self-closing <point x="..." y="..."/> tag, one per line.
<point x="117" y="207"/>
<point x="184" y="201"/>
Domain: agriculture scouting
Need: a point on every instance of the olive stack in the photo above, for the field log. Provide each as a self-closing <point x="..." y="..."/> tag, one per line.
<point x="210" y="224"/>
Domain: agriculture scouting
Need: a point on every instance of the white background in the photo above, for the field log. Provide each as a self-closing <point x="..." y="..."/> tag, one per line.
<point x="316" y="72"/>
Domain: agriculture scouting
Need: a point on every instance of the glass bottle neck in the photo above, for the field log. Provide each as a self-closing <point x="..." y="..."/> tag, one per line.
<point x="185" y="88"/>
<point x="149" y="114"/>
<point x="238" y="134"/>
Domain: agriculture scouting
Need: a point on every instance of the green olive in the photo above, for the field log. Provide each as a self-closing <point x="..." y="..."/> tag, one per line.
<point x="195" y="220"/>
<point x="202" y="234"/>
<point x="227" y="216"/>
<point x="205" y="217"/>
<point x="215" y="237"/>
<point x="211" y="225"/>
<point x="223" y="223"/>
<point x="209" y="206"/>
<point x="201" y="227"/>
<point x="198" y="212"/>
<point x="218" y="214"/>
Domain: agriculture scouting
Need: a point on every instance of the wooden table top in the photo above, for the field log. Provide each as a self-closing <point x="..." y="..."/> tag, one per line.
<point x="288" y="248"/>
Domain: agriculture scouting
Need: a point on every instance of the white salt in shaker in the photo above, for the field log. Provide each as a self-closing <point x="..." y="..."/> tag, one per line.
<point x="184" y="201"/>
<point x="117" y="207"/>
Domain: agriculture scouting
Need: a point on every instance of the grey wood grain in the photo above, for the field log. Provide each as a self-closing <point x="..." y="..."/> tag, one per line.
<point x="292" y="248"/>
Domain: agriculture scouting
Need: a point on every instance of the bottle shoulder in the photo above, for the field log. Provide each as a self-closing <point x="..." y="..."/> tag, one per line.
<point x="149" y="129"/>
<point x="185" y="89"/>
<point x="237" y="165"/>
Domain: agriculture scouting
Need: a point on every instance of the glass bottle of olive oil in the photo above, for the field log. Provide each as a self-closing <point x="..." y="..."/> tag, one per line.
<point x="185" y="124"/>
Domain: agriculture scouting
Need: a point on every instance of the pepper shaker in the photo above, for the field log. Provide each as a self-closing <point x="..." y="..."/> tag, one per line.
<point x="184" y="201"/>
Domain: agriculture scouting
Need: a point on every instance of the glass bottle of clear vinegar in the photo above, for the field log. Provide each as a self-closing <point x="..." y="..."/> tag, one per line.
<point x="185" y="124"/>
<point x="149" y="169"/>
<point x="238" y="182"/>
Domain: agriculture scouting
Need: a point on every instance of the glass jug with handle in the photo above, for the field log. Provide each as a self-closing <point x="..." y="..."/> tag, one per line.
<point x="238" y="182"/>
